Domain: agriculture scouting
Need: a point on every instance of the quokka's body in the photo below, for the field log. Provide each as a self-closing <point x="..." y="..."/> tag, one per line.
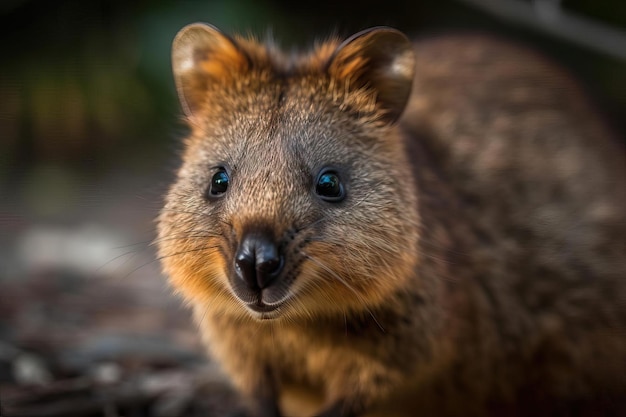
<point x="385" y="228"/>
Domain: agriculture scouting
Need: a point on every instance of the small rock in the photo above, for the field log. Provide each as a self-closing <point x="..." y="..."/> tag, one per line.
<point x="107" y="373"/>
<point x="29" y="369"/>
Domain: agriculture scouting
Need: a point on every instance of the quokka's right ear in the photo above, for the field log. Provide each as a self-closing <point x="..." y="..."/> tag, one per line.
<point x="202" y="55"/>
<point x="380" y="59"/>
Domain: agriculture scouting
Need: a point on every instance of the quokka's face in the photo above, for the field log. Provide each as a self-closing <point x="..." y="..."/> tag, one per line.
<point x="290" y="202"/>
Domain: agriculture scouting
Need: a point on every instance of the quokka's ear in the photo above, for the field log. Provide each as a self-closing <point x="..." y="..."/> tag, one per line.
<point x="202" y="55"/>
<point x="381" y="59"/>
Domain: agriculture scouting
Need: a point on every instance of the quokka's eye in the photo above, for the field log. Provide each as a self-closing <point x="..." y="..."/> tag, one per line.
<point x="329" y="186"/>
<point x="219" y="184"/>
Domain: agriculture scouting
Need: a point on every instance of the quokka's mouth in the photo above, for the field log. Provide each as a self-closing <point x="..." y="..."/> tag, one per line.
<point x="263" y="311"/>
<point x="261" y="307"/>
<point x="269" y="301"/>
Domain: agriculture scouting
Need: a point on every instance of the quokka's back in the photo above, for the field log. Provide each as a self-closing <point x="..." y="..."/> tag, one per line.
<point x="352" y="248"/>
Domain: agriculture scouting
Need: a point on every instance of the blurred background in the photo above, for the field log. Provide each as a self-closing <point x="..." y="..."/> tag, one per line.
<point x="89" y="137"/>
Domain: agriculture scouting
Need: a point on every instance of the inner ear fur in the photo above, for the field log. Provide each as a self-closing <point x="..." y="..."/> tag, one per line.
<point x="380" y="59"/>
<point x="201" y="55"/>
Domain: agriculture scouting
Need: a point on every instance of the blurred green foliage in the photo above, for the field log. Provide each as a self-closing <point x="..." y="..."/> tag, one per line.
<point x="87" y="84"/>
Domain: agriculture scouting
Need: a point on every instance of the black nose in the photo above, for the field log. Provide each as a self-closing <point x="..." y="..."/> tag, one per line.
<point x="258" y="261"/>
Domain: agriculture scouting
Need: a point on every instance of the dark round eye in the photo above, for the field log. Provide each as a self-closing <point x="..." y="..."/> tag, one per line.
<point x="329" y="186"/>
<point x="219" y="184"/>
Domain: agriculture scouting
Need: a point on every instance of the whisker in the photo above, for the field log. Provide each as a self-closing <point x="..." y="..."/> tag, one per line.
<point x="342" y="281"/>
<point x="131" y="252"/>
<point x="175" y="211"/>
<point x="160" y="258"/>
<point x="183" y="237"/>
<point x="145" y="242"/>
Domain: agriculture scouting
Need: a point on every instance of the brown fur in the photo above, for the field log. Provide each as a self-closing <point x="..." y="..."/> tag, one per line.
<point x="476" y="266"/>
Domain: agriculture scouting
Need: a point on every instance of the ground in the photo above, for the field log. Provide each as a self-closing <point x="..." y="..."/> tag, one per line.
<point x="88" y="324"/>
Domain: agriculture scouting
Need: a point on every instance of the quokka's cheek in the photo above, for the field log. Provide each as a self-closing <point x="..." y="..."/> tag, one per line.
<point x="196" y="274"/>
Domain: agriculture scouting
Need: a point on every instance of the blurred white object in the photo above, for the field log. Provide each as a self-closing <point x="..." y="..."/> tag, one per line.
<point x="30" y="369"/>
<point x="86" y="249"/>
<point x="107" y="373"/>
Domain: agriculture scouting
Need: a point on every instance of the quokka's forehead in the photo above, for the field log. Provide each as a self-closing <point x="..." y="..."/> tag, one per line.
<point x="258" y="99"/>
<point x="267" y="115"/>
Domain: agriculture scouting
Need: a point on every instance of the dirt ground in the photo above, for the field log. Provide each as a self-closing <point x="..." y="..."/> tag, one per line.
<point x="88" y="325"/>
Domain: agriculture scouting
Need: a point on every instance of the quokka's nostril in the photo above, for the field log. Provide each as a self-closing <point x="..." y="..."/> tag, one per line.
<point x="245" y="267"/>
<point x="269" y="266"/>
<point x="258" y="261"/>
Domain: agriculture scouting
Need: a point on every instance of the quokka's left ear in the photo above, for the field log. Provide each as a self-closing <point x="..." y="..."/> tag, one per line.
<point x="381" y="59"/>
<point x="202" y="55"/>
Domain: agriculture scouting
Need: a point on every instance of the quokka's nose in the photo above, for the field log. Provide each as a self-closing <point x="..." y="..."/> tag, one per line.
<point x="258" y="261"/>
